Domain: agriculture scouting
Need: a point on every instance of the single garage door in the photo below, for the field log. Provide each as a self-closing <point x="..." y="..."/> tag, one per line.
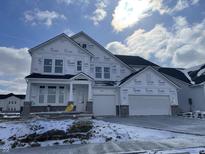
<point x="149" y="105"/>
<point x="104" y="105"/>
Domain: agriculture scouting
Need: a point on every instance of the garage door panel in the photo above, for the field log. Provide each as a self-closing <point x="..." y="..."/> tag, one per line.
<point x="149" y="105"/>
<point x="104" y="105"/>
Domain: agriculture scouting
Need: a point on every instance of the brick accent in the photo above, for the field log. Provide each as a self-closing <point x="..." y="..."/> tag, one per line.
<point x="47" y="108"/>
<point x="89" y="107"/>
<point x="175" y="110"/>
<point x="26" y="110"/>
<point x="123" y="110"/>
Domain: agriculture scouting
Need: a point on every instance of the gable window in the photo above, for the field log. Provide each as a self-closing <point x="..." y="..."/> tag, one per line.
<point x="58" y="66"/>
<point x="51" y="94"/>
<point x="106" y="72"/>
<point x="47" y="65"/>
<point x="84" y="46"/>
<point x="79" y="65"/>
<point x="41" y="94"/>
<point x="98" y="72"/>
<point x="61" y="94"/>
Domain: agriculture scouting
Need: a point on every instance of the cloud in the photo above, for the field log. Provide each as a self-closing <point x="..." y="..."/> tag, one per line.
<point x="69" y="2"/>
<point x="129" y="12"/>
<point x="100" y="13"/>
<point x="14" y="66"/>
<point x="181" y="5"/>
<point x="46" y="17"/>
<point x="182" y="46"/>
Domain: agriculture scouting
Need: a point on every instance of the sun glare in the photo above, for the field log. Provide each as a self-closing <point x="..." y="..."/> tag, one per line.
<point x="128" y="12"/>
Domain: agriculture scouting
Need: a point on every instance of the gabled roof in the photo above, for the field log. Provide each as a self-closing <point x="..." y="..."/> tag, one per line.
<point x="173" y="72"/>
<point x="199" y="79"/>
<point x="100" y="46"/>
<point x="49" y="76"/>
<point x="4" y="96"/>
<point x="57" y="37"/>
<point x="135" y="60"/>
<point x="131" y="75"/>
<point x="142" y="70"/>
<point x="82" y="73"/>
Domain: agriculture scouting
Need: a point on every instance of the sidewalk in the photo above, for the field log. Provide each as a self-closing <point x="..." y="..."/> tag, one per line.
<point x="115" y="147"/>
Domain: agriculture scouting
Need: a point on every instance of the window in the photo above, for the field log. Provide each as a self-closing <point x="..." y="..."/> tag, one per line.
<point x="61" y="94"/>
<point x="51" y="94"/>
<point x="79" y="65"/>
<point x="98" y="72"/>
<point x="106" y="72"/>
<point x="47" y="65"/>
<point x="58" y="66"/>
<point x="84" y="45"/>
<point x="41" y="94"/>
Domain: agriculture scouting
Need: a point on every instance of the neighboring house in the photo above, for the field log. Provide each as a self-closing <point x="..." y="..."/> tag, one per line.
<point x="11" y="102"/>
<point x="195" y="93"/>
<point x="77" y="69"/>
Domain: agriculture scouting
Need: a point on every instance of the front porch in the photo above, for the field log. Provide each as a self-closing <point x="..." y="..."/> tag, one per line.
<point x="54" y="95"/>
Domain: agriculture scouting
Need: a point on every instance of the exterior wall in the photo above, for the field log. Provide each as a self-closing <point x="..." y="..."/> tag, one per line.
<point x="197" y="95"/>
<point x="183" y="94"/>
<point x="141" y="86"/>
<point x="117" y="70"/>
<point x="11" y="104"/>
<point x="60" y="49"/>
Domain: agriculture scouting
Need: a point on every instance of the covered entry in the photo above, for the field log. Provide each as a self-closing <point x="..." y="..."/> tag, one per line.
<point x="149" y="105"/>
<point x="104" y="105"/>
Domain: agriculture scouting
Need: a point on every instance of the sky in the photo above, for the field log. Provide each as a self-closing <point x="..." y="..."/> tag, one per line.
<point x="170" y="33"/>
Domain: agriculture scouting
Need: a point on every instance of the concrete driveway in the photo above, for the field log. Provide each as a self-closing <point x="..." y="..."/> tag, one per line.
<point x="168" y="123"/>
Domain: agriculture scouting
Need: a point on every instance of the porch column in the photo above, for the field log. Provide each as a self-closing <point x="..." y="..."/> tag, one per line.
<point x="71" y="93"/>
<point x="89" y="105"/>
<point x="28" y="91"/>
<point x="89" y="92"/>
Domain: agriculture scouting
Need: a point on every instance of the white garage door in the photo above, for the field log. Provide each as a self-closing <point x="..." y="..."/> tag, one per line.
<point x="149" y="105"/>
<point x="104" y="105"/>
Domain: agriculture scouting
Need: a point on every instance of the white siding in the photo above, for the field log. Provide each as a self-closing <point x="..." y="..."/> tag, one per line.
<point x="60" y="49"/>
<point x="140" y="86"/>
<point x="103" y="59"/>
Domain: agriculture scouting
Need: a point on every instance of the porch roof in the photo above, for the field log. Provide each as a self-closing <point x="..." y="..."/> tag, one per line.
<point x="48" y="76"/>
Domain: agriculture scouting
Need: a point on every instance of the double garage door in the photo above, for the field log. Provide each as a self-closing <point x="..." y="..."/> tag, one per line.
<point x="104" y="105"/>
<point x="149" y="105"/>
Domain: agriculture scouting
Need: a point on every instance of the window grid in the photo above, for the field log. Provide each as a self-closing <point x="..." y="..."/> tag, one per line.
<point x="48" y="65"/>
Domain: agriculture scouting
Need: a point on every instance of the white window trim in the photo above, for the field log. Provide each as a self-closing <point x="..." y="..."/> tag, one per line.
<point x="53" y="66"/>
<point x="57" y="95"/>
<point x="103" y="73"/>
<point x="81" y="66"/>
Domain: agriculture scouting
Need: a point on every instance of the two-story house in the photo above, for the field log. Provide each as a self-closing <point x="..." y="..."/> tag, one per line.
<point x="78" y="69"/>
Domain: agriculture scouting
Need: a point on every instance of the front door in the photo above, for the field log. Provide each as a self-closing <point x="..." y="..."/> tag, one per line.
<point x="80" y="97"/>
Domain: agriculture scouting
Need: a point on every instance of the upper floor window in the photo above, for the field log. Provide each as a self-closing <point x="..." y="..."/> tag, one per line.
<point x="106" y="72"/>
<point x="58" y="66"/>
<point x="84" y="45"/>
<point x="98" y="72"/>
<point x="47" y="65"/>
<point x="79" y="65"/>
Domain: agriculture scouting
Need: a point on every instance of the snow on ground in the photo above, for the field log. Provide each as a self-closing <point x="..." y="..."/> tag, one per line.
<point x="179" y="151"/>
<point x="101" y="132"/>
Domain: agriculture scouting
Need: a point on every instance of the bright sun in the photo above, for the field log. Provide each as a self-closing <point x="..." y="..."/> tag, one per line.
<point x="128" y="12"/>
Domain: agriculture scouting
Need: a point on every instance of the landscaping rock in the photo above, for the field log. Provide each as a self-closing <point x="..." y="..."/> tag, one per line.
<point x="108" y="139"/>
<point x="2" y="142"/>
<point x="35" y="144"/>
<point x="56" y="143"/>
<point x="80" y="126"/>
<point x="49" y="135"/>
